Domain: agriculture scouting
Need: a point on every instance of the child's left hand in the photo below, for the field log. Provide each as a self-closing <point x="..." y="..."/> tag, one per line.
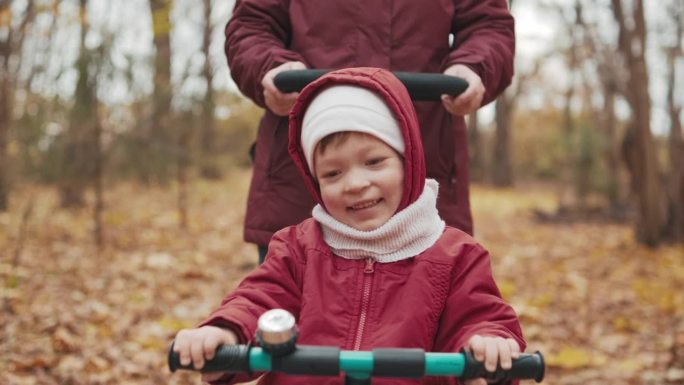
<point x="492" y="350"/>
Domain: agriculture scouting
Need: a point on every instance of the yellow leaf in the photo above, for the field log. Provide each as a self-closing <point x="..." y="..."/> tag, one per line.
<point x="152" y="343"/>
<point x="570" y="358"/>
<point x="114" y="218"/>
<point x="542" y="300"/>
<point x="5" y="17"/>
<point x="12" y="282"/>
<point x="630" y="365"/>
<point x="620" y="323"/>
<point x="161" y="23"/>
<point x="138" y="299"/>
<point x="668" y="302"/>
<point x="507" y="288"/>
<point x="174" y="324"/>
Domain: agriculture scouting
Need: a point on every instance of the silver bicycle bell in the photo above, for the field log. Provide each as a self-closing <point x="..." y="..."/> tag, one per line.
<point x="277" y="332"/>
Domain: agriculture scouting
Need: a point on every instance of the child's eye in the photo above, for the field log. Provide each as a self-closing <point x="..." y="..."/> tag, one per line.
<point x="330" y="174"/>
<point x="375" y="161"/>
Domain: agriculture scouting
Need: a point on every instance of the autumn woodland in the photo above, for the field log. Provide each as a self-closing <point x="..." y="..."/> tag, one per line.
<point x="124" y="170"/>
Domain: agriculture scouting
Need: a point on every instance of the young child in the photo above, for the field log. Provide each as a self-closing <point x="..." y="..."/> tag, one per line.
<point x="375" y="266"/>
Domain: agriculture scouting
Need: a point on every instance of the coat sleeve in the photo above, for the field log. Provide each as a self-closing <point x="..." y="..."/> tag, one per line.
<point x="484" y="39"/>
<point x="274" y="284"/>
<point x="257" y="40"/>
<point x="474" y="306"/>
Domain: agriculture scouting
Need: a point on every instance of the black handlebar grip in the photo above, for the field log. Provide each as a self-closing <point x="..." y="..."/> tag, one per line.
<point x="296" y="80"/>
<point x="228" y="358"/>
<point x="404" y="363"/>
<point x="526" y="366"/>
<point x="310" y="361"/>
<point x="421" y="86"/>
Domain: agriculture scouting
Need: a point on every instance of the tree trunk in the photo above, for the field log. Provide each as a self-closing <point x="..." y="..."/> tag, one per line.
<point x="502" y="173"/>
<point x="475" y="153"/>
<point x="158" y="136"/>
<point x="5" y="120"/>
<point x="98" y="229"/>
<point x="209" y="168"/>
<point x="608" y="72"/>
<point x="571" y="174"/>
<point x="642" y="162"/>
<point x="6" y="103"/>
<point x="676" y="142"/>
<point x="183" y="169"/>
<point x="502" y="159"/>
<point x="77" y="143"/>
<point x="10" y="43"/>
<point x="612" y="154"/>
<point x="569" y="160"/>
<point x="502" y="169"/>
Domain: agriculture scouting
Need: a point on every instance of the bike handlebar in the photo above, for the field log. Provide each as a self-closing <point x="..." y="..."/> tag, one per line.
<point x="421" y="86"/>
<point x="330" y="361"/>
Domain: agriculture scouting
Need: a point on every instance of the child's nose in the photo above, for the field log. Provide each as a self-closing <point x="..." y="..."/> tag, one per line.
<point x="355" y="182"/>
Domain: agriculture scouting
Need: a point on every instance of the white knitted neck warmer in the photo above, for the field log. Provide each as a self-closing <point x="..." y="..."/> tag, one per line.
<point x="408" y="233"/>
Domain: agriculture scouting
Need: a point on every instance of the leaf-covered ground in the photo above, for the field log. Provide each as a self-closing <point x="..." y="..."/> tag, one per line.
<point x="601" y="308"/>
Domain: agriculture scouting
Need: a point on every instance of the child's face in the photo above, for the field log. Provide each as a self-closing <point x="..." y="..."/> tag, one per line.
<point x="361" y="180"/>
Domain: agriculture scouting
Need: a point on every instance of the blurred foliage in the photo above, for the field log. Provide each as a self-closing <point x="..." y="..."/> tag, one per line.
<point x="542" y="150"/>
<point x="238" y="131"/>
<point x="539" y="144"/>
<point x="34" y="137"/>
<point x="35" y="151"/>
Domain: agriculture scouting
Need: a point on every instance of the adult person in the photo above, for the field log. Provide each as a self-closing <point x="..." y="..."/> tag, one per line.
<point x="472" y="39"/>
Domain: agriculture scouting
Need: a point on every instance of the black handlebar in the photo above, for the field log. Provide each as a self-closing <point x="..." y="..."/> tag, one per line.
<point x="421" y="86"/>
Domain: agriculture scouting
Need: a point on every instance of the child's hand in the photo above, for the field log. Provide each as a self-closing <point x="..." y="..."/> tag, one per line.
<point x="197" y="345"/>
<point x="492" y="350"/>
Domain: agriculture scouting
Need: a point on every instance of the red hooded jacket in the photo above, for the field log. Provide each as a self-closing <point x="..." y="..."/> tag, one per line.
<point x="434" y="301"/>
<point x="400" y="35"/>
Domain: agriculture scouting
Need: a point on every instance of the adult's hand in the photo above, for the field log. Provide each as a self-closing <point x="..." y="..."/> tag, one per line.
<point x="469" y="101"/>
<point x="276" y="101"/>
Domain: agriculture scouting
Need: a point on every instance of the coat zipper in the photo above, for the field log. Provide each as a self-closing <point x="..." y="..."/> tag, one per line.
<point x="365" y="301"/>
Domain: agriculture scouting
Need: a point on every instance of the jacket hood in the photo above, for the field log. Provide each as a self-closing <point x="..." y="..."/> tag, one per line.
<point x="393" y="92"/>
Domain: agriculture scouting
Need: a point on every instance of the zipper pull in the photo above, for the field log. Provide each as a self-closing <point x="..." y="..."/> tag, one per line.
<point x="369" y="266"/>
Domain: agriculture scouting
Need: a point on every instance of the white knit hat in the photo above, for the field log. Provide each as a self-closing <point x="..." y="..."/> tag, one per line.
<point x="348" y="108"/>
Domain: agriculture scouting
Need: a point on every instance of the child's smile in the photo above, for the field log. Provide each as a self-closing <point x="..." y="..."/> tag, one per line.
<point x="364" y="205"/>
<point x="361" y="180"/>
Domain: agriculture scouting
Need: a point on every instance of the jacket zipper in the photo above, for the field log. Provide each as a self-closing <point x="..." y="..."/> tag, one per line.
<point x="365" y="301"/>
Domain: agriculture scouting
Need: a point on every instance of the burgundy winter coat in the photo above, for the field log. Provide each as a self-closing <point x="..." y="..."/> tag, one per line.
<point x="400" y="35"/>
<point x="435" y="300"/>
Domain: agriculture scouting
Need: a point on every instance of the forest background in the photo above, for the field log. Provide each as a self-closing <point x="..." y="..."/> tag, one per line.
<point x="124" y="166"/>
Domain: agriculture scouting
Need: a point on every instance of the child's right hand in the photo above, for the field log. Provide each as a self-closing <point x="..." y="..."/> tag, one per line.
<point x="198" y="345"/>
<point x="492" y="351"/>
